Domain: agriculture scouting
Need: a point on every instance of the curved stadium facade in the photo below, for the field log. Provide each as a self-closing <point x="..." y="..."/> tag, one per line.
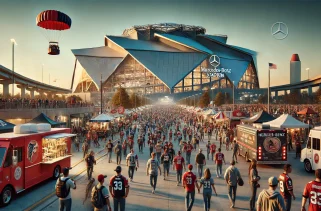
<point x="164" y="59"/>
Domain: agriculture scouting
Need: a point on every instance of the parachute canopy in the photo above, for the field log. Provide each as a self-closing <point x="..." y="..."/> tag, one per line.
<point x="53" y="20"/>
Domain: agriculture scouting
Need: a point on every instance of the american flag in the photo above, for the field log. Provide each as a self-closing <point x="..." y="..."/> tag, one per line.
<point x="272" y="66"/>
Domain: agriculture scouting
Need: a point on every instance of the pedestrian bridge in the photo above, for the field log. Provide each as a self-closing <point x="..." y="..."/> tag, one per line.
<point x="8" y="77"/>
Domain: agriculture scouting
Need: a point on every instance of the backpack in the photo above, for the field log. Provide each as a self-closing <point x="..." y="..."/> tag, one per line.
<point x="97" y="199"/>
<point x="233" y="176"/>
<point x="61" y="189"/>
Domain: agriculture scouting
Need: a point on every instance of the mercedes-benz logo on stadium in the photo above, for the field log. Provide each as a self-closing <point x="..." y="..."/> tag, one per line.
<point x="279" y="30"/>
<point x="215" y="61"/>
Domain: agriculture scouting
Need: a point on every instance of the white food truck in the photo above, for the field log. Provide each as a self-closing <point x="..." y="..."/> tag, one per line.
<point x="311" y="155"/>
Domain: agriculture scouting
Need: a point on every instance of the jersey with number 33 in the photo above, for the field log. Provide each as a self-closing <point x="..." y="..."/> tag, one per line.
<point x="118" y="184"/>
<point x="312" y="191"/>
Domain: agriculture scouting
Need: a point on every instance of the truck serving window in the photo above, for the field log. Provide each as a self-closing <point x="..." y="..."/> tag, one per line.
<point x="2" y="153"/>
<point x="8" y="160"/>
<point x="316" y="143"/>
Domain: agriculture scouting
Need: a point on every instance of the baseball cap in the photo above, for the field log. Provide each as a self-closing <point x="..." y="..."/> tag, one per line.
<point x="118" y="169"/>
<point x="190" y="166"/>
<point x="101" y="177"/>
<point x="273" y="181"/>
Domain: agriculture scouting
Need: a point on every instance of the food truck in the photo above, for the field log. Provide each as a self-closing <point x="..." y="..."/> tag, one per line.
<point x="311" y="154"/>
<point x="31" y="154"/>
<point x="266" y="145"/>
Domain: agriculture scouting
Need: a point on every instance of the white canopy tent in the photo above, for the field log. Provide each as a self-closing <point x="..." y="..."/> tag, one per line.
<point x="286" y="121"/>
<point x="102" y="118"/>
<point x="209" y="112"/>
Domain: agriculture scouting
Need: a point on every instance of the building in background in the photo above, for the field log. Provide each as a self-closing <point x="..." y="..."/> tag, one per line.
<point x="295" y="69"/>
<point x="163" y="59"/>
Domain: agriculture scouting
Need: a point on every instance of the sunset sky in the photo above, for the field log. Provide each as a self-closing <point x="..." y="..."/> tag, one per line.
<point x="246" y="23"/>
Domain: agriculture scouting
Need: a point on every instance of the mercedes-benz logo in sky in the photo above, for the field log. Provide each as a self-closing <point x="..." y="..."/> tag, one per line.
<point x="215" y="61"/>
<point x="279" y="30"/>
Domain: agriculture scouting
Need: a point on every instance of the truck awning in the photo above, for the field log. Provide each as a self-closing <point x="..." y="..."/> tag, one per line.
<point x="60" y="135"/>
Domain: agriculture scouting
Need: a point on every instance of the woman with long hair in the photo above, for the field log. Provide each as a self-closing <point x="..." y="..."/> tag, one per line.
<point x="253" y="181"/>
<point x="207" y="182"/>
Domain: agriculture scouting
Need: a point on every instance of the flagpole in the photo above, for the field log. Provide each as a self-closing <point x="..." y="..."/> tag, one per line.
<point x="269" y="91"/>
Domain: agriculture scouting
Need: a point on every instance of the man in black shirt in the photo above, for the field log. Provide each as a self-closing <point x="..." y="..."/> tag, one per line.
<point x="200" y="161"/>
<point x="90" y="161"/>
<point x="109" y="147"/>
<point x="119" y="189"/>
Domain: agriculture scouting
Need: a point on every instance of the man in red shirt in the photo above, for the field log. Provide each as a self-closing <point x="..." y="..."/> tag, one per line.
<point x="312" y="192"/>
<point x="213" y="150"/>
<point x="286" y="186"/>
<point x="188" y="149"/>
<point x="219" y="158"/>
<point x="179" y="164"/>
<point x="189" y="182"/>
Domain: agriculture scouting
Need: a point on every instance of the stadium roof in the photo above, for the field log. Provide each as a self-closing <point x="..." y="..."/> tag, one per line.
<point x="219" y="38"/>
<point x="103" y="51"/>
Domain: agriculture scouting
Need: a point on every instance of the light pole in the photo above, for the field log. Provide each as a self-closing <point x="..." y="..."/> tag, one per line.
<point x="42" y="72"/>
<point x="233" y="95"/>
<point x="308" y="69"/>
<point x="13" y="81"/>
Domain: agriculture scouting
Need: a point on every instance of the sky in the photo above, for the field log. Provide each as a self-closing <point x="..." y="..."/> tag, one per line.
<point x="246" y="23"/>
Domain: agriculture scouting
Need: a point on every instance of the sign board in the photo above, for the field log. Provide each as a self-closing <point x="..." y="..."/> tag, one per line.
<point x="216" y="71"/>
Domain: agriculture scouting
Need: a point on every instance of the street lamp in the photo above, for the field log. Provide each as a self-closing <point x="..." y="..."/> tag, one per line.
<point x="13" y="81"/>
<point x="42" y="72"/>
<point x="308" y="69"/>
<point x="233" y="94"/>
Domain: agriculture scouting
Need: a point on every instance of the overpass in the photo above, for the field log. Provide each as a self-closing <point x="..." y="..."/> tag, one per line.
<point x="7" y="77"/>
<point x="306" y="84"/>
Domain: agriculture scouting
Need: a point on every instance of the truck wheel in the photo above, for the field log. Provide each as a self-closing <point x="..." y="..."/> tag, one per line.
<point x="56" y="172"/>
<point x="307" y="166"/>
<point x="6" y="196"/>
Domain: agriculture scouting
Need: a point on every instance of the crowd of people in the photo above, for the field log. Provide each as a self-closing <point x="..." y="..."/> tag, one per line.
<point x="26" y="103"/>
<point x="171" y="135"/>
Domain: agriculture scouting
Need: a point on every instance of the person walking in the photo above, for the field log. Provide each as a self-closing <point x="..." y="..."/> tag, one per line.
<point x="213" y="150"/>
<point x="158" y="149"/>
<point x="132" y="163"/>
<point x="125" y="146"/>
<point x="286" y="186"/>
<point x="90" y="161"/>
<point x="189" y="183"/>
<point x="166" y="159"/>
<point x="85" y="148"/>
<point x="231" y="176"/>
<point x="171" y="152"/>
<point x="62" y="187"/>
<point x="103" y="204"/>
<point x="311" y="190"/>
<point x="208" y="150"/>
<point x="298" y="149"/>
<point x="207" y="182"/>
<point x="140" y="143"/>
<point x="151" y="146"/>
<point x="219" y="158"/>
<point x="235" y="150"/>
<point x="119" y="189"/>
<point x="109" y="147"/>
<point x="179" y="163"/>
<point x="152" y="171"/>
<point x="270" y="199"/>
<point x="200" y="161"/>
<point x="188" y="149"/>
<point x="117" y="150"/>
<point x="253" y="181"/>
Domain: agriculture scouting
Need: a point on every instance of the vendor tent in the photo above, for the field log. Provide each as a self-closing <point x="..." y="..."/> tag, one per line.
<point x="209" y="112"/>
<point x="102" y="118"/>
<point x="260" y="117"/>
<point x="43" y="118"/>
<point x="220" y="116"/>
<point x="286" y="121"/>
<point x="306" y="111"/>
<point x="6" y="127"/>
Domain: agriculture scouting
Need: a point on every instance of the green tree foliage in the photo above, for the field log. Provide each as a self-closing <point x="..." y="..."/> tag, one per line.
<point x="204" y="100"/>
<point x="219" y="99"/>
<point x="121" y="98"/>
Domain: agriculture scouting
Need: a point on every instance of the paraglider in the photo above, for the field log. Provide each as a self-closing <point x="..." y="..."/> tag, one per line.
<point x="52" y="22"/>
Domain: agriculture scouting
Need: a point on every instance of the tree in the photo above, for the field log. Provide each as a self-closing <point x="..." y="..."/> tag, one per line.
<point x="227" y="98"/>
<point x="204" y="100"/>
<point x="219" y="99"/>
<point x="317" y="96"/>
<point x="135" y="100"/>
<point x="121" y="98"/>
<point x="294" y="97"/>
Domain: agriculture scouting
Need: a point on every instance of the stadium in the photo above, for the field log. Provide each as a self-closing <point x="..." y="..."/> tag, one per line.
<point x="166" y="59"/>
